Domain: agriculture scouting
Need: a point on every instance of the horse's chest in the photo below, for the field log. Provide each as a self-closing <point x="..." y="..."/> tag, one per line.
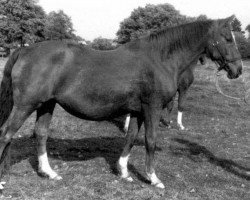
<point x="169" y="86"/>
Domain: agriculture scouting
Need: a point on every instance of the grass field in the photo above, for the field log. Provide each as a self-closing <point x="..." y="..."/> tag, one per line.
<point x="207" y="162"/>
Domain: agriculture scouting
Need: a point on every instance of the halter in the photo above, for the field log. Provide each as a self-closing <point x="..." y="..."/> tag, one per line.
<point x="224" y="66"/>
<point x="225" y="62"/>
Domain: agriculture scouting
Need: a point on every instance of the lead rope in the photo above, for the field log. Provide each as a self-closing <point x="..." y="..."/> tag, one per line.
<point x="216" y="75"/>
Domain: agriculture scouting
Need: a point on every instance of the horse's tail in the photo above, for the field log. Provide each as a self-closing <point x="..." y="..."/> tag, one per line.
<point x="6" y="105"/>
<point x="6" y="92"/>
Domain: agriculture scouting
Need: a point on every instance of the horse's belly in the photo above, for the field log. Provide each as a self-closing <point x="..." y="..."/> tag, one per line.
<point x="97" y="109"/>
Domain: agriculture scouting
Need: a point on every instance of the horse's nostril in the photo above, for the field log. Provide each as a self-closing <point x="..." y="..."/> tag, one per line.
<point x="240" y="71"/>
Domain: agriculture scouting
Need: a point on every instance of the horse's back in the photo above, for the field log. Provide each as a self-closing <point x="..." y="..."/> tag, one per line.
<point x="84" y="81"/>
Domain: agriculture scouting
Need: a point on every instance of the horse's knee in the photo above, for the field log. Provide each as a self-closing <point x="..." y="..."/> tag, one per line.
<point x="150" y="143"/>
<point x="41" y="132"/>
<point x="5" y="139"/>
<point x="180" y="108"/>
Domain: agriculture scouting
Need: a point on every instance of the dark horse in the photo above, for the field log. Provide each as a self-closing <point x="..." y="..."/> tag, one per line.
<point x="138" y="78"/>
<point x="184" y="82"/>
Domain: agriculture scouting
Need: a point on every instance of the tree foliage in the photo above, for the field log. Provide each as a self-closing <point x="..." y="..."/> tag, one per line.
<point x="22" y="21"/>
<point x="201" y="18"/>
<point x="243" y="44"/>
<point x="25" y="22"/>
<point x="248" y="30"/>
<point x="103" y="44"/>
<point x="59" y="26"/>
<point x="236" y="25"/>
<point x="149" y="19"/>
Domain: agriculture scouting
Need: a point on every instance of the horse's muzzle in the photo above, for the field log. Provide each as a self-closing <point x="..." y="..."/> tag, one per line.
<point x="233" y="71"/>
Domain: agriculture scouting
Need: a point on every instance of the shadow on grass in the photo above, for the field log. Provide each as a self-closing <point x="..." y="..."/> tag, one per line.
<point x="109" y="148"/>
<point x="193" y="150"/>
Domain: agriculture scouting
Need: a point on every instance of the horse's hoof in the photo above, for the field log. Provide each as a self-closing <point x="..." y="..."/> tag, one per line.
<point x="2" y="185"/>
<point x="57" y="178"/>
<point x="181" y="127"/>
<point x="162" y="125"/>
<point x="128" y="178"/>
<point x="155" y="181"/>
<point x="159" y="185"/>
<point x="125" y="130"/>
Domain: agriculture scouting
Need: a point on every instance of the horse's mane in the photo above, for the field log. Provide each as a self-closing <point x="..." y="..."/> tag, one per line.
<point x="171" y="39"/>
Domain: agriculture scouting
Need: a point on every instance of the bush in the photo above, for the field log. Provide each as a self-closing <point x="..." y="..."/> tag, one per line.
<point x="103" y="44"/>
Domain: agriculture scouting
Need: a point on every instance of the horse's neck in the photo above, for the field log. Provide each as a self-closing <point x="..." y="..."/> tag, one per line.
<point x="187" y="61"/>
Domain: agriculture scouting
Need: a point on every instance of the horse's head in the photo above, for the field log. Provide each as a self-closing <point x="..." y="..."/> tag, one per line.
<point x="222" y="48"/>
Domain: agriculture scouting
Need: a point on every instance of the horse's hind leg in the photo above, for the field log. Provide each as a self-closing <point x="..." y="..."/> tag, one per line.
<point x="44" y="115"/>
<point x="185" y="82"/>
<point x="181" y="100"/>
<point x="17" y="117"/>
<point x="182" y="95"/>
<point x="126" y="124"/>
<point x="133" y="130"/>
<point x="165" y="119"/>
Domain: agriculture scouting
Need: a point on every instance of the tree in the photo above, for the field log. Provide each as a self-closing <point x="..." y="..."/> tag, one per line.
<point x="201" y="18"/>
<point x="59" y="26"/>
<point x="103" y="44"/>
<point x="243" y="44"/>
<point x="148" y="19"/>
<point x="21" y="22"/>
<point x="248" y="30"/>
<point x="236" y="25"/>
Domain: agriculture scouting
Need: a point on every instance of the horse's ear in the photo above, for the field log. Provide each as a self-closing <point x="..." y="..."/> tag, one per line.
<point x="230" y="19"/>
<point x="227" y="21"/>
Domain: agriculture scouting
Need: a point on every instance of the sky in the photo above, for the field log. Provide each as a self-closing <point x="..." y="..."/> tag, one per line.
<point x="101" y="18"/>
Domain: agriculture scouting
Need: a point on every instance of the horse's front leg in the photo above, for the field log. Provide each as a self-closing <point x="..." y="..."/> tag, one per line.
<point x="131" y="135"/>
<point x="151" y="119"/>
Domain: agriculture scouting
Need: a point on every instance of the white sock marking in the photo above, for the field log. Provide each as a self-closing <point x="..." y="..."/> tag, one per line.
<point x="155" y="180"/>
<point x="45" y="166"/>
<point x="123" y="162"/>
<point x="179" y="120"/>
<point x="126" y="125"/>
<point x="2" y="185"/>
